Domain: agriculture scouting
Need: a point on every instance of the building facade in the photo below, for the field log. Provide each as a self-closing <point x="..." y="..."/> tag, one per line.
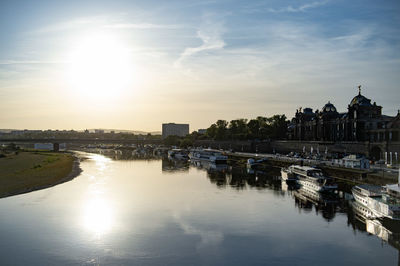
<point x="363" y="122"/>
<point x="172" y="129"/>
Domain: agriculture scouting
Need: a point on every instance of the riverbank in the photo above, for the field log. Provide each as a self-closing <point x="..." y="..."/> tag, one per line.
<point x="28" y="171"/>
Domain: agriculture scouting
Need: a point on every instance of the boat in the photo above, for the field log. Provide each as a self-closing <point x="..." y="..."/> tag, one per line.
<point x="178" y="154"/>
<point x="310" y="178"/>
<point x="208" y="155"/>
<point x="252" y="163"/>
<point x="287" y="175"/>
<point x="383" y="202"/>
<point x="362" y="212"/>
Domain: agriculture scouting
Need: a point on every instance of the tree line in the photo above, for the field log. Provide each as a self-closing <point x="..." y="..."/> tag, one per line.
<point x="260" y="128"/>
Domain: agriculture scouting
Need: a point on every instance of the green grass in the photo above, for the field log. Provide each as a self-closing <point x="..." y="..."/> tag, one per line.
<point x="30" y="170"/>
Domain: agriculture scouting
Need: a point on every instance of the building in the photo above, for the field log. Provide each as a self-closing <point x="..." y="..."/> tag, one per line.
<point x="353" y="161"/>
<point x="175" y="129"/>
<point x="362" y="122"/>
<point x="202" y="131"/>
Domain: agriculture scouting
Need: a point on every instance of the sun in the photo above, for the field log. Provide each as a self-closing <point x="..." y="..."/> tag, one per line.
<point x="99" y="66"/>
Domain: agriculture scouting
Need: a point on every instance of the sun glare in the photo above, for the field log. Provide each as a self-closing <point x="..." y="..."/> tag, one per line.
<point x="100" y="67"/>
<point x="98" y="216"/>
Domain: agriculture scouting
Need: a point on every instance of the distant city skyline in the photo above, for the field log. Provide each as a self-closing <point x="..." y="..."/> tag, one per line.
<point x="135" y="65"/>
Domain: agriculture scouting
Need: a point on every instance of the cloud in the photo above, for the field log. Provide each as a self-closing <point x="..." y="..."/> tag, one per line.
<point x="290" y="8"/>
<point x="207" y="237"/>
<point x="69" y="25"/>
<point x="210" y="33"/>
<point x="142" y="26"/>
<point x="28" y="62"/>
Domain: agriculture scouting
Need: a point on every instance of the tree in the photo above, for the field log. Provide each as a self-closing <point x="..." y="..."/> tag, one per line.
<point x="238" y="129"/>
<point x="278" y="125"/>
<point x="254" y="128"/>
<point x="212" y="131"/>
<point x="172" y="140"/>
<point x="221" y="131"/>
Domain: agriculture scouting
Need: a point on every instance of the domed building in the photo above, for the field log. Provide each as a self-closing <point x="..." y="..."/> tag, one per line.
<point x="330" y="125"/>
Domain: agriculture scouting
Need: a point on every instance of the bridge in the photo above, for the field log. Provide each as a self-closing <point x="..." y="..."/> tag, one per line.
<point x="82" y="141"/>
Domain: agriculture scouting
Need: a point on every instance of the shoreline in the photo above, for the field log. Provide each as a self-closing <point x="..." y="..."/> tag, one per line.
<point x="76" y="170"/>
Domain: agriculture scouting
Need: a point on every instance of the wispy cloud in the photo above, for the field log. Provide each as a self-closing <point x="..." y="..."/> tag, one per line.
<point x="28" y="62"/>
<point x="69" y="25"/>
<point x="301" y="8"/>
<point x="286" y="9"/>
<point x="210" y="33"/>
<point x="142" y="26"/>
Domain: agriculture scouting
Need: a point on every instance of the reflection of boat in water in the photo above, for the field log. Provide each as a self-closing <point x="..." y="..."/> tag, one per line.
<point x="380" y="203"/>
<point x="387" y="232"/>
<point x="207" y="155"/>
<point x="311" y="178"/>
<point x="178" y="154"/>
<point x="210" y="165"/>
<point x="288" y="186"/>
<point x="315" y="197"/>
<point x="173" y="165"/>
<point x="326" y="204"/>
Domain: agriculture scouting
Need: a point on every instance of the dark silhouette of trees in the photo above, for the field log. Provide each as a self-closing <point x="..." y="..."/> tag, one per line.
<point x="274" y="127"/>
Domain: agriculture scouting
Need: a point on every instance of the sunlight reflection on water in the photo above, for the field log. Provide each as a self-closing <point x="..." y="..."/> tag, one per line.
<point x="98" y="214"/>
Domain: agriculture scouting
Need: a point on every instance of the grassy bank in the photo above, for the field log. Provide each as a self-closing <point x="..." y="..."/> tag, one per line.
<point x="29" y="170"/>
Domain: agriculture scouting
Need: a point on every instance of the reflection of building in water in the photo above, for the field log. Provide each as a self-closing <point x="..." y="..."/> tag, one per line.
<point x="174" y="165"/>
<point x="327" y="204"/>
<point x="389" y="232"/>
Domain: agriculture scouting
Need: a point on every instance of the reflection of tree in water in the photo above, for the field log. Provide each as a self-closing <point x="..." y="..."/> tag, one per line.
<point x="240" y="178"/>
<point x="174" y="165"/>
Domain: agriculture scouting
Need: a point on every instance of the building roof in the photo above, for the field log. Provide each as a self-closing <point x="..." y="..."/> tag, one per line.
<point x="360" y="100"/>
<point x="329" y="108"/>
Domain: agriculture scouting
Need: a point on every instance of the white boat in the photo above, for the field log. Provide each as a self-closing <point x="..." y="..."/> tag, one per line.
<point x="383" y="202"/>
<point x="287" y="175"/>
<point x="208" y="155"/>
<point x="361" y="211"/>
<point x="311" y="178"/>
<point x="178" y="154"/>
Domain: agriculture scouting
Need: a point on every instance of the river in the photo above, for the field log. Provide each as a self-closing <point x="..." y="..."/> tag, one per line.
<point x="163" y="212"/>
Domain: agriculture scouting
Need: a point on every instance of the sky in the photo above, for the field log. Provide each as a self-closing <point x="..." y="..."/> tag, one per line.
<point x="137" y="64"/>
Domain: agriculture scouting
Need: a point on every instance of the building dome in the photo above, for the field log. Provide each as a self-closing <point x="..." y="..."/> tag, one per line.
<point x="360" y="100"/>
<point x="328" y="108"/>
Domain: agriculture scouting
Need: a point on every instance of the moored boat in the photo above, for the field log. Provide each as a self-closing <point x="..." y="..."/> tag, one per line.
<point x="383" y="202"/>
<point x="310" y="178"/>
<point x="252" y="163"/>
<point x="178" y="154"/>
<point x="287" y="175"/>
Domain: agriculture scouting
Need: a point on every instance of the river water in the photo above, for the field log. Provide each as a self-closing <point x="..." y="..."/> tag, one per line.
<point x="162" y="212"/>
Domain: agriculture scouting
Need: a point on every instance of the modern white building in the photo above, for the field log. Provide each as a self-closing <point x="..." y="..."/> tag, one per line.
<point x="170" y="129"/>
